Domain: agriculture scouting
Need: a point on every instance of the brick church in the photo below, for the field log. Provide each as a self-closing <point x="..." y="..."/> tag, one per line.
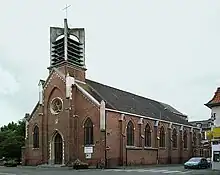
<point x="77" y="118"/>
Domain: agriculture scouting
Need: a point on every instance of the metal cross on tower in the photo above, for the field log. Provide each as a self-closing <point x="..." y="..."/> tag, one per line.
<point x="66" y="8"/>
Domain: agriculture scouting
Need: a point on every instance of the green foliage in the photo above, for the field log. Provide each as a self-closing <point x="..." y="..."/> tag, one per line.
<point x="12" y="139"/>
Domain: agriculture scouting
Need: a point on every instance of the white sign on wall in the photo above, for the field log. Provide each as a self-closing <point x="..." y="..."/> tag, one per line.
<point x="88" y="149"/>
<point x="88" y="156"/>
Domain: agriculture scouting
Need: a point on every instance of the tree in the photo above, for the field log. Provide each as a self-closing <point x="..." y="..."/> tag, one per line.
<point x="12" y="139"/>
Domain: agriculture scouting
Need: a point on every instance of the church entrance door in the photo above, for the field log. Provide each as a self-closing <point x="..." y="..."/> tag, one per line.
<point x="58" y="149"/>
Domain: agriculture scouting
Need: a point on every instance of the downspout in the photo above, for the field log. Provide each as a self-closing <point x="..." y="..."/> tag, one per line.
<point x="105" y="143"/>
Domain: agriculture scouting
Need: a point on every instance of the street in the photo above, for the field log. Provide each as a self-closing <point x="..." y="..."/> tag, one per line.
<point x="178" y="170"/>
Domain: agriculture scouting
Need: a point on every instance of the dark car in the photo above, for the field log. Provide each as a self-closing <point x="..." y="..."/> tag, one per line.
<point x="209" y="161"/>
<point x="197" y="162"/>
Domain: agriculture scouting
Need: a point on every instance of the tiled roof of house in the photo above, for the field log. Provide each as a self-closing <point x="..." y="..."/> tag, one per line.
<point x="128" y="102"/>
<point x="215" y="101"/>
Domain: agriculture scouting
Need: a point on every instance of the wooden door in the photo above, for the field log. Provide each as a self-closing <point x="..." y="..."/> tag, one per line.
<point x="58" y="145"/>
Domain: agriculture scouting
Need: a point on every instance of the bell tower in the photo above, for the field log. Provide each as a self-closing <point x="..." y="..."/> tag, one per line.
<point x="67" y="50"/>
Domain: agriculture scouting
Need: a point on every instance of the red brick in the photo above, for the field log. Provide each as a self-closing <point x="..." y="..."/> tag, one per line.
<point x="81" y="108"/>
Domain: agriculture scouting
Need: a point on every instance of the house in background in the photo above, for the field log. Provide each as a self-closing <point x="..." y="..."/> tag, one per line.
<point x="205" y="126"/>
<point x="214" y="105"/>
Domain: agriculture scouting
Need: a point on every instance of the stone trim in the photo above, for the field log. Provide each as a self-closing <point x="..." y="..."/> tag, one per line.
<point x="87" y="96"/>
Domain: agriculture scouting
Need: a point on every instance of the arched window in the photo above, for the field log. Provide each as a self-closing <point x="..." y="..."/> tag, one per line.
<point x="88" y="132"/>
<point x="185" y="139"/>
<point x="174" y="138"/>
<point x="130" y="134"/>
<point x="162" y="137"/>
<point x="147" y="136"/>
<point x="36" y="137"/>
<point x="194" y="139"/>
<point x="199" y="139"/>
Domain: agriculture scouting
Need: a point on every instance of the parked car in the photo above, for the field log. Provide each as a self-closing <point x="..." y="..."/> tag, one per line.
<point x="197" y="162"/>
<point x="209" y="161"/>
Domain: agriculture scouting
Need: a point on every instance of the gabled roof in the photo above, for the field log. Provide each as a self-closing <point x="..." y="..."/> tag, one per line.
<point x="27" y="116"/>
<point x="128" y="102"/>
<point x="215" y="101"/>
<point x="43" y="82"/>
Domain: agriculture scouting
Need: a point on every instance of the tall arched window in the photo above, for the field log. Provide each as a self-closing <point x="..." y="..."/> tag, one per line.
<point x="185" y="139"/>
<point x="147" y="136"/>
<point x="88" y="132"/>
<point x="194" y="139"/>
<point x="36" y="137"/>
<point x="162" y="137"/>
<point x="174" y="138"/>
<point x="130" y="134"/>
<point x="199" y="139"/>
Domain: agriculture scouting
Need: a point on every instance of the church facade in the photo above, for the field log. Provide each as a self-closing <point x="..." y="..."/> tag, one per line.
<point x="77" y="118"/>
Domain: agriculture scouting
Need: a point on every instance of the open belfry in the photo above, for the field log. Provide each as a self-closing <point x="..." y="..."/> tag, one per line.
<point x="77" y="118"/>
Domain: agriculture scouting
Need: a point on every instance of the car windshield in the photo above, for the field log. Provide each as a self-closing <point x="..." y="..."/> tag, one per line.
<point x="195" y="159"/>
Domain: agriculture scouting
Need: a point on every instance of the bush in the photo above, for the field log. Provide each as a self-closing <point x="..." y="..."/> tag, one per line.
<point x="11" y="163"/>
<point x="80" y="165"/>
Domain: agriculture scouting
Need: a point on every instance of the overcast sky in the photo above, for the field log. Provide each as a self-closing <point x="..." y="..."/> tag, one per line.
<point x="164" y="50"/>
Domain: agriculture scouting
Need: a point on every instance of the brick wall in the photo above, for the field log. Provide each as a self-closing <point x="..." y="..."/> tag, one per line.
<point x="70" y="126"/>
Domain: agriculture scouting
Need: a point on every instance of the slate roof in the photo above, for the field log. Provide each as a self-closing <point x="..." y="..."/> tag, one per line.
<point x="215" y="101"/>
<point x="172" y="109"/>
<point x="128" y="102"/>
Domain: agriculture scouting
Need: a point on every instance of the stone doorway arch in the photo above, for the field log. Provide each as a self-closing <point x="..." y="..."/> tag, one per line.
<point x="57" y="149"/>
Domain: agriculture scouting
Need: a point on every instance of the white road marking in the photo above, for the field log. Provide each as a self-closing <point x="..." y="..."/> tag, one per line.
<point x="186" y="172"/>
<point x="170" y="172"/>
<point x="7" y="173"/>
<point x="161" y="171"/>
<point x="164" y="171"/>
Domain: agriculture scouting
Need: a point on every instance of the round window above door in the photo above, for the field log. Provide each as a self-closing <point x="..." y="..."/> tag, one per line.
<point x="56" y="105"/>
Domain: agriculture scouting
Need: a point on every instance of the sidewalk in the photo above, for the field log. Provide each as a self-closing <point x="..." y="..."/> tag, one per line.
<point x="94" y="167"/>
<point x="141" y="166"/>
<point x="148" y="166"/>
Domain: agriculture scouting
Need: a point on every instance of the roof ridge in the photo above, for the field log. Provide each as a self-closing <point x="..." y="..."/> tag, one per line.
<point x="156" y="108"/>
<point x="124" y="91"/>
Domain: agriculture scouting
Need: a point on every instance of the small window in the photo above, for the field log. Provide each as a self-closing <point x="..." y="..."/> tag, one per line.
<point x="185" y="137"/>
<point x="36" y="137"/>
<point x="216" y="156"/>
<point x="147" y="136"/>
<point x="130" y="134"/>
<point x="174" y="138"/>
<point x="162" y="137"/>
<point x="88" y="132"/>
<point x="194" y="139"/>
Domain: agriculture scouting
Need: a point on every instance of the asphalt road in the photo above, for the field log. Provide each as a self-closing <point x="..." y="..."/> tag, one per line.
<point x="177" y="170"/>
